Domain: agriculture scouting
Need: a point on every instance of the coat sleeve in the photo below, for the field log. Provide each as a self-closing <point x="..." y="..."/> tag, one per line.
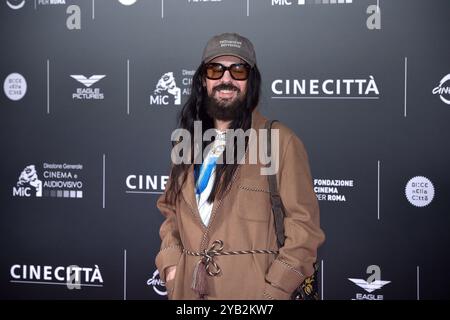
<point x="301" y="224"/>
<point x="171" y="247"/>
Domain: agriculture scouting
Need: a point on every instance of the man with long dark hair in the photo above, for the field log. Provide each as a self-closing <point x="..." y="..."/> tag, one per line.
<point x="218" y="237"/>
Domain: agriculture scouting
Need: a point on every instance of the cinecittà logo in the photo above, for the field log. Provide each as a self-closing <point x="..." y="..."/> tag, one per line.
<point x="73" y="277"/>
<point x="325" y="89"/>
<point x="88" y="93"/>
<point x="139" y="183"/>
<point x="158" y="285"/>
<point x="443" y="89"/>
<point x="56" y="181"/>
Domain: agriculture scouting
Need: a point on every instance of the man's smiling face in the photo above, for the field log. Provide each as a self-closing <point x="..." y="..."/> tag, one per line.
<point x="226" y="90"/>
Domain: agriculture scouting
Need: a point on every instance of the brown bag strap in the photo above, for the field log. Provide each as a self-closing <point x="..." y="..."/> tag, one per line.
<point x="275" y="199"/>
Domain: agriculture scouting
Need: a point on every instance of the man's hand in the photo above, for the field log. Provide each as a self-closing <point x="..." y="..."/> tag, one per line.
<point x="170" y="273"/>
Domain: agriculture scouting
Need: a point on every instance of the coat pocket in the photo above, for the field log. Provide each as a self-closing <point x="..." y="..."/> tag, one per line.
<point x="253" y="200"/>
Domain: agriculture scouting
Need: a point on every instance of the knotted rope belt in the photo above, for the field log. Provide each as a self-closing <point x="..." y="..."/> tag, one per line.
<point x="207" y="265"/>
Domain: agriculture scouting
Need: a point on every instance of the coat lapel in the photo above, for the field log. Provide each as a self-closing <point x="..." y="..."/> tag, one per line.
<point x="188" y="192"/>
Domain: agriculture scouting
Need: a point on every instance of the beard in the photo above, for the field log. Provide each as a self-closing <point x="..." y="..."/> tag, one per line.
<point x="225" y="110"/>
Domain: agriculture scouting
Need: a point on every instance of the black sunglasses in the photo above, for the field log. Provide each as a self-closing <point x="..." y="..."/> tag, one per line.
<point x="238" y="71"/>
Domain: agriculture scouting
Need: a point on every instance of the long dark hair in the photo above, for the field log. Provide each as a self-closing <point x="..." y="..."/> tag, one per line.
<point x="194" y="110"/>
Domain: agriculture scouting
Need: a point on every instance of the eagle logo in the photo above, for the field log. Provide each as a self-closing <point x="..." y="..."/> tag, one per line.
<point x="369" y="286"/>
<point x="88" y="81"/>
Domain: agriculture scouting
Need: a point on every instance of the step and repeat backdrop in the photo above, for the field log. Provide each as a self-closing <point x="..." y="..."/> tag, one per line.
<point x="87" y="113"/>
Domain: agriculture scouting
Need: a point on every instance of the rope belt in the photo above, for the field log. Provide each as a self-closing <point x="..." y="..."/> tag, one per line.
<point x="216" y="249"/>
<point x="207" y="265"/>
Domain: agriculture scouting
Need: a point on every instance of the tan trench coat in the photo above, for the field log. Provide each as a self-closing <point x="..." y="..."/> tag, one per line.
<point x="243" y="220"/>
